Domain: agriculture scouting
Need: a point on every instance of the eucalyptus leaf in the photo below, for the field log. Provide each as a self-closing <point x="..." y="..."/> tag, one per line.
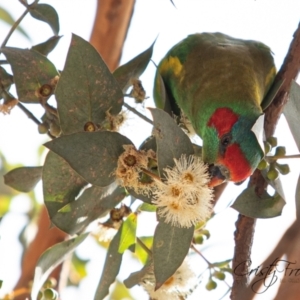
<point x="50" y="259"/>
<point x="6" y="17"/>
<point x="111" y="267"/>
<point x="23" y="179"/>
<point x="128" y="233"/>
<point x="147" y="197"/>
<point x="93" y="203"/>
<point x="133" y="69"/>
<point x="87" y="90"/>
<point x="93" y="155"/>
<point x="45" y="13"/>
<point x="148" y="207"/>
<point x="61" y="184"/>
<point x="292" y="111"/>
<point x="46" y="47"/>
<point x="31" y="71"/>
<point x="253" y="206"/>
<point x="6" y="80"/>
<point x="170" y="247"/>
<point x="136" y="277"/>
<point x="171" y="141"/>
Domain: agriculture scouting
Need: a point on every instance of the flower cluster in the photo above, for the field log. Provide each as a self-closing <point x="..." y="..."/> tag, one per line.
<point x="184" y="198"/>
<point x="129" y="170"/>
<point x="178" y="286"/>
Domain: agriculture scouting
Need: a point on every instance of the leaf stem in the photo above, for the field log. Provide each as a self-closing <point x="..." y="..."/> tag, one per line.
<point x="29" y="114"/>
<point x="145" y="248"/>
<point x="272" y="158"/>
<point x="152" y="175"/>
<point x="138" y="113"/>
<point x="12" y="29"/>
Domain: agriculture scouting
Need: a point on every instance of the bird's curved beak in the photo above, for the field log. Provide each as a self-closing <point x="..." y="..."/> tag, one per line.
<point x="217" y="175"/>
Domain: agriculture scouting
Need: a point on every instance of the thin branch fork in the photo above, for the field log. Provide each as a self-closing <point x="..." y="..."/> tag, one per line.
<point x="245" y="226"/>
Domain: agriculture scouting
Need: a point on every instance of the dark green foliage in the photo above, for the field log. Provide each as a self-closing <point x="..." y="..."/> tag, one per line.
<point x="46" y="47"/>
<point x="93" y="155"/>
<point x="86" y="90"/>
<point x="45" y="13"/>
<point x="265" y="206"/>
<point x="111" y="267"/>
<point x="51" y="258"/>
<point x="31" y="71"/>
<point x="133" y="69"/>
<point x="23" y="179"/>
<point x="170" y="247"/>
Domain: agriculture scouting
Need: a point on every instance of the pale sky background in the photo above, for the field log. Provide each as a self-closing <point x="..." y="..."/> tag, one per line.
<point x="271" y="22"/>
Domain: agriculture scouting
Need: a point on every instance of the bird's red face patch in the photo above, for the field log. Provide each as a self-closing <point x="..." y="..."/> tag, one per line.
<point x="235" y="161"/>
<point x="223" y="119"/>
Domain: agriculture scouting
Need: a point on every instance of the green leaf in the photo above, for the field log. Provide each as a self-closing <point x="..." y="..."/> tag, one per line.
<point x="95" y="202"/>
<point x="133" y="69"/>
<point x="222" y="264"/>
<point x="120" y="292"/>
<point x="148" y="207"/>
<point x="86" y="90"/>
<point x="61" y="184"/>
<point x="171" y="141"/>
<point x="6" y="17"/>
<point x="297" y="196"/>
<point x="6" y="80"/>
<point x="93" y="155"/>
<point x="23" y="179"/>
<point x="136" y="277"/>
<point x="292" y="111"/>
<point x="46" y="13"/>
<point x="51" y="258"/>
<point x="170" y="247"/>
<point x="31" y="71"/>
<point x="111" y="267"/>
<point x="147" y="198"/>
<point x="46" y="47"/>
<point x="265" y="206"/>
<point x="78" y="266"/>
<point x="128" y="233"/>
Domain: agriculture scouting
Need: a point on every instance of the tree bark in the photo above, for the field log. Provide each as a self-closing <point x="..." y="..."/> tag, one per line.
<point x="110" y="29"/>
<point x="45" y="238"/>
<point x="287" y="73"/>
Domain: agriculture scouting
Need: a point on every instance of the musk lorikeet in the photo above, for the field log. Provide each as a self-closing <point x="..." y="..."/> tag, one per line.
<point x="220" y="84"/>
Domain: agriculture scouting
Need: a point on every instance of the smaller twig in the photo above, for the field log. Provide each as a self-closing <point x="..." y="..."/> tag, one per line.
<point x="29" y="114"/>
<point x="3" y="62"/>
<point x="152" y="175"/>
<point x="210" y="265"/>
<point x="12" y="29"/>
<point x="271" y="158"/>
<point x="145" y="248"/>
<point x="198" y="252"/>
<point x="138" y="113"/>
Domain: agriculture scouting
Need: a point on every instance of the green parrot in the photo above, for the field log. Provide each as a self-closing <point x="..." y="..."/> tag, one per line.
<point x="220" y="84"/>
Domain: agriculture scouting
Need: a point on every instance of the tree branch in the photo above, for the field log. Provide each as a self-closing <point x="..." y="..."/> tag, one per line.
<point x="245" y="227"/>
<point x="110" y="29"/>
<point x="45" y="238"/>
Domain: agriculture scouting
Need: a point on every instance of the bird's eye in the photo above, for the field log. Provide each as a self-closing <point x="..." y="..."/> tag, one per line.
<point x="225" y="140"/>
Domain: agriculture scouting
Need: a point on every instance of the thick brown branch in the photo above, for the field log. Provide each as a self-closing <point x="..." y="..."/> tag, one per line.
<point x="110" y="29"/>
<point x="245" y="226"/>
<point x="288" y="72"/>
<point x="45" y="238"/>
